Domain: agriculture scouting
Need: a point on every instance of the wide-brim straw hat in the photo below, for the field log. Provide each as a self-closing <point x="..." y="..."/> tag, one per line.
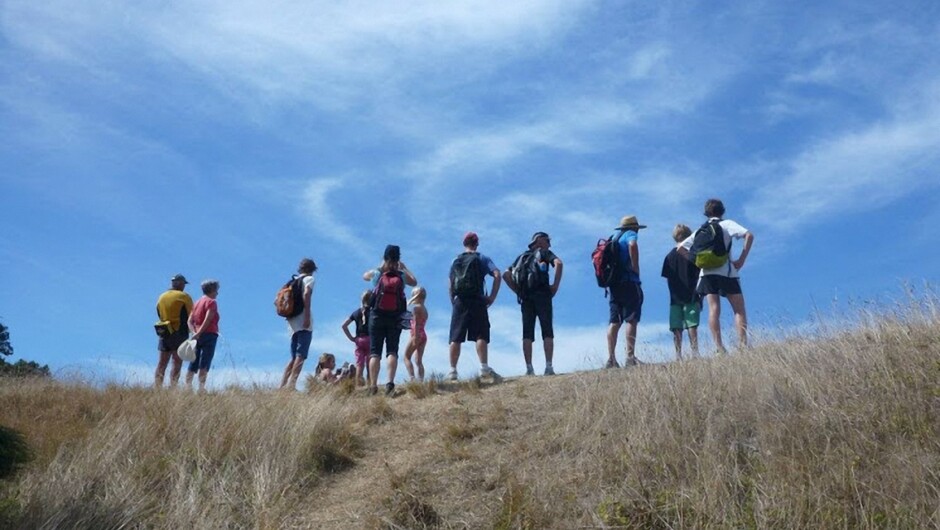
<point x="629" y="221"/>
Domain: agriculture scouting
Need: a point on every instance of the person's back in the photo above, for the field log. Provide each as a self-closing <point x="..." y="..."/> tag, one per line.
<point x="681" y="276"/>
<point x="174" y="306"/>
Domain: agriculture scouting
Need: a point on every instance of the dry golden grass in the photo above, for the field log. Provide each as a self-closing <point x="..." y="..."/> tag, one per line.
<point x="836" y="431"/>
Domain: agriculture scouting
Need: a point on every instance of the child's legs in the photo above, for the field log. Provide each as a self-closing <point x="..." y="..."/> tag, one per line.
<point x="693" y="341"/>
<point x="677" y="342"/>
<point x="419" y="356"/>
<point x="409" y="350"/>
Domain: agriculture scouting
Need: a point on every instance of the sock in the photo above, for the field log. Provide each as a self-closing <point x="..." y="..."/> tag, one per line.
<point x="484" y="367"/>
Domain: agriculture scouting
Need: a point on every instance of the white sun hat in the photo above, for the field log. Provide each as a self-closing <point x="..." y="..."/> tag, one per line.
<point x="187" y="350"/>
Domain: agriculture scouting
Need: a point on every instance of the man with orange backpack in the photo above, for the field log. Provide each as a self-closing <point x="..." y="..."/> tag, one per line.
<point x="293" y="303"/>
<point x="386" y="310"/>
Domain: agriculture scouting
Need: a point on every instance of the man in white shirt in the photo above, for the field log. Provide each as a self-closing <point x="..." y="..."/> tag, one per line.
<point x="300" y="325"/>
<point x="723" y="280"/>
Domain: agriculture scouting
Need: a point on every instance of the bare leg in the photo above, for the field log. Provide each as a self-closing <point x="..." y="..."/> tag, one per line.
<point x="163" y="360"/>
<point x="677" y="343"/>
<point x="375" y="364"/>
<point x="454" y="354"/>
<point x="419" y="359"/>
<point x="287" y="371"/>
<point x="612" y="331"/>
<point x="482" y="350"/>
<point x="549" y="346"/>
<point x="203" y="374"/>
<point x="630" y="332"/>
<point x="189" y="380"/>
<point x="527" y="351"/>
<point x="295" y="373"/>
<point x="176" y="367"/>
<point x="693" y="341"/>
<point x="392" y="361"/>
<point x="740" y="317"/>
<point x="714" y="320"/>
<point x="409" y="350"/>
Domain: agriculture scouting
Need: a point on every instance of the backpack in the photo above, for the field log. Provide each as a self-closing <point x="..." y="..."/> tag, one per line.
<point x="527" y="274"/>
<point x="467" y="274"/>
<point x="708" y="246"/>
<point x="388" y="298"/>
<point x="608" y="268"/>
<point x="289" y="301"/>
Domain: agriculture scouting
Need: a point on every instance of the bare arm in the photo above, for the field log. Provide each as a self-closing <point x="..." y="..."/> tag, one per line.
<point x="369" y="274"/>
<point x="308" y="294"/>
<point x="559" y="266"/>
<point x="496" y="283"/>
<point x="748" y="241"/>
<point x="507" y="277"/>
<point x="635" y="257"/>
<point x="346" y="330"/>
<point x="210" y="314"/>
<point x="409" y="277"/>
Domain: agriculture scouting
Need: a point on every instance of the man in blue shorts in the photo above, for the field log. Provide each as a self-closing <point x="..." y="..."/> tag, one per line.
<point x="470" y="319"/>
<point x="626" y="296"/>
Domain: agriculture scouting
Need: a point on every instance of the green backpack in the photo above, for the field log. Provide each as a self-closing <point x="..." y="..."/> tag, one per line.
<point x="708" y="246"/>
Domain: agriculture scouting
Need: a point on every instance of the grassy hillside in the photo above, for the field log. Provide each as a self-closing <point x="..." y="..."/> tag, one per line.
<point x="823" y="432"/>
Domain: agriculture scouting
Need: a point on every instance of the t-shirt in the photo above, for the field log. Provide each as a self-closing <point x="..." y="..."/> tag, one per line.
<point x="546" y="259"/>
<point x="174" y="307"/>
<point x="732" y="230"/>
<point x="362" y="329"/>
<point x="682" y="276"/>
<point x="201" y="309"/>
<point x="624" y="246"/>
<point x="488" y="265"/>
<point x="297" y="323"/>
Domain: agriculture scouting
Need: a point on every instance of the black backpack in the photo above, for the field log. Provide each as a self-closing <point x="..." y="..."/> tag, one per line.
<point x="527" y="274"/>
<point x="708" y="246"/>
<point x="467" y="274"/>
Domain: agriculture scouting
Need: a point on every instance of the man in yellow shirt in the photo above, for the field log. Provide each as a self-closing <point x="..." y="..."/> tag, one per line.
<point x="173" y="307"/>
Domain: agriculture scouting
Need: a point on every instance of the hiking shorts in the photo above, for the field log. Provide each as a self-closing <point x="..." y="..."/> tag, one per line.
<point x="384" y="330"/>
<point x="300" y="344"/>
<point x="626" y="302"/>
<point x="469" y="320"/>
<point x="205" y="351"/>
<point x="718" y="284"/>
<point x="172" y="341"/>
<point x="538" y="305"/>
<point x="684" y="316"/>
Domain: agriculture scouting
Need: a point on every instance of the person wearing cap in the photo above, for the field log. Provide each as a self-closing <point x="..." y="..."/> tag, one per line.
<point x="388" y="280"/>
<point x="626" y="296"/>
<point x="173" y="308"/>
<point x="470" y="319"/>
<point x="725" y="280"/>
<point x="300" y="326"/>
<point x="536" y="301"/>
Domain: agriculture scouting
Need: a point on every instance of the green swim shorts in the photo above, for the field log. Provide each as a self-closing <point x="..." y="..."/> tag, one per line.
<point x="684" y="316"/>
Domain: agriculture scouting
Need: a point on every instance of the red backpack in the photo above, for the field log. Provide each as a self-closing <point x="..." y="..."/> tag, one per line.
<point x="606" y="260"/>
<point x="388" y="298"/>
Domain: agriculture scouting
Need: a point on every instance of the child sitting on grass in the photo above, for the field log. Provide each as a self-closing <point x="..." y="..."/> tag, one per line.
<point x="419" y="337"/>
<point x="327" y="373"/>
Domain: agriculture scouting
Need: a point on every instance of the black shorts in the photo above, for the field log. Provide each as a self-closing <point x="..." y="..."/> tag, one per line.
<point x="384" y="330"/>
<point x="172" y="341"/>
<point x="469" y="320"/>
<point x="718" y="284"/>
<point x="626" y="302"/>
<point x="537" y="305"/>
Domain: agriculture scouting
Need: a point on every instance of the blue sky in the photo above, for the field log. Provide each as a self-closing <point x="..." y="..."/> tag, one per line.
<point x="228" y="139"/>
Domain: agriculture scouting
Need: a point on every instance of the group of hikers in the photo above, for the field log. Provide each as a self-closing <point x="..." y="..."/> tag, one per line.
<point x="700" y="267"/>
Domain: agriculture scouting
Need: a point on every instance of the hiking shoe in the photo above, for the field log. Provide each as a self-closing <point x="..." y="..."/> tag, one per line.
<point x="612" y="363"/>
<point x="452" y="375"/>
<point x="632" y="361"/>
<point x="389" y="389"/>
<point x="549" y="370"/>
<point x="489" y="372"/>
<point x="530" y="371"/>
<point x="373" y="390"/>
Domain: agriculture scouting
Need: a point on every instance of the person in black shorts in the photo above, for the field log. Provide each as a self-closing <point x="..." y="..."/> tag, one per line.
<point x="470" y="319"/>
<point x="626" y="296"/>
<point x="535" y="296"/>
<point x="173" y="309"/>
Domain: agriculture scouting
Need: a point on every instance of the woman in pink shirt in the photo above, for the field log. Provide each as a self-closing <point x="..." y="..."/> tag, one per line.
<point x="205" y="320"/>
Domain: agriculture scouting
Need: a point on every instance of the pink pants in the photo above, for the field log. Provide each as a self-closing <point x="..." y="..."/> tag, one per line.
<point x="362" y="353"/>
